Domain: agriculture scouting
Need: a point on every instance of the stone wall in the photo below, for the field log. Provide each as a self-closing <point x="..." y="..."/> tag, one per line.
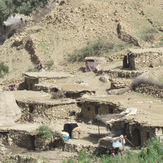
<point x="119" y="83"/>
<point x="145" y="59"/>
<point x="120" y="73"/>
<point x="153" y="90"/>
<point x="20" y="138"/>
<point x="91" y="109"/>
<point x="31" y="142"/>
<point x="145" y="133"/>
<point x="42" y="144"/>
<point x="78" y="147"/>
<point x="42" y="112"/>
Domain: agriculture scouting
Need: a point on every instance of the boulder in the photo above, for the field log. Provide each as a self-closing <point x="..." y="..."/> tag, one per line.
<point x="9" y="110"/>
<point x="157" y="62"/>
<point x="126" y="35"/>
<point x="104" y="79"/>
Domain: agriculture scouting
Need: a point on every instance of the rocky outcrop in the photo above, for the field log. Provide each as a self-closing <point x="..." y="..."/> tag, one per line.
<point x="9" y="110"/>
<point x="126" y="35"/>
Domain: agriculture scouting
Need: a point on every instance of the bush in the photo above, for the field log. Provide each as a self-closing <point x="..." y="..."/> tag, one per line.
<point x="3" y="69"/>
<point x="92" y="49"/>
<point x="49" y="64"/>
<point x="45" y="131"/>
<point x="149" y="34"/>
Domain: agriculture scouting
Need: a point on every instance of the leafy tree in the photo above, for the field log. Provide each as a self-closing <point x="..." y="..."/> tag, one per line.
<point x="8" y="7"/>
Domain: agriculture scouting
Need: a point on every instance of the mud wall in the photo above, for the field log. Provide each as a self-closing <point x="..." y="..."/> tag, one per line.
<point x="20" y="138"/>
<point x="42" y="112"/>
<point x="90" y="110"/>
<point x="145" y="134"/>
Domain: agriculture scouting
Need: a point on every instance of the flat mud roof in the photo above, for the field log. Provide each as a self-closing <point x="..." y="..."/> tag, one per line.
<point x="40" y="98"/>
<point x="53" y="75"/>
<point x="149" y="109"/>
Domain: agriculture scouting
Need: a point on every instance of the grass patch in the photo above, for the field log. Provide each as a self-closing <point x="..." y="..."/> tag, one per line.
<point x="96" y="48"/>
<point x="3" y="70"/>
<point x="45" y="131"/>
<point x="34" y="70"/>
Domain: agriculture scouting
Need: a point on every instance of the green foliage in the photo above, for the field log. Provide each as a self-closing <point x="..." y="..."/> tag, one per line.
<point x="45" y="131"/>
<point x="96" y="48"/>
<point x="8" y="7"/>
<point x="151" y="153"/>
<point x="34" y="70"/>
<point x="49" y="64"/>
<point x="3" y="69"/>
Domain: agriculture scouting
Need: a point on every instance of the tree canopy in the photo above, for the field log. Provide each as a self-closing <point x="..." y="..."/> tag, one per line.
<point x="25" y="7"/>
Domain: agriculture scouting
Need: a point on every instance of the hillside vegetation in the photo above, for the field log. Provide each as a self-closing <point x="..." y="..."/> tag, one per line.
<point x="26" y="7"/>
<point x="73" y="25"/>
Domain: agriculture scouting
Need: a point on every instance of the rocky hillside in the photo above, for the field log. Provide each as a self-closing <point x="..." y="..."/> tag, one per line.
<point x="71" y="25"/>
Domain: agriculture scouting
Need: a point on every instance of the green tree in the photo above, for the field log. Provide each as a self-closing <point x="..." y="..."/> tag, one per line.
<point x="8" y="7"/>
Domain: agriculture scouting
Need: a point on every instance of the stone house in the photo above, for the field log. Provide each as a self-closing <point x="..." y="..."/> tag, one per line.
<point x="138" y="133"/>
<point x="136" y="59"/>
<point x="144" y="123"/>
<point x="39" y="107"/>
<point x="93" y="105"/>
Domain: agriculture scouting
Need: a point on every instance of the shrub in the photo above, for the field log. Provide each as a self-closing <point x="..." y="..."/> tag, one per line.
<point x="3" y="69"/>
<point x="149" y="34"/>
<point x="45" y="131"/>
<point x="92" y="49"/>
<point x="49" y="64"/>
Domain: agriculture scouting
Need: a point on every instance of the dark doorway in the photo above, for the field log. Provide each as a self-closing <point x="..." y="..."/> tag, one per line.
<point x="136" y="138"/>
<point x="31" y="108"/>
<point x="110" y="110"/>
<point x="97" y="110"/>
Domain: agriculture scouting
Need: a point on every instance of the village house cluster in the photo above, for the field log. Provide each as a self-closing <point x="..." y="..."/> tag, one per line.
<point x="97" y="99"/>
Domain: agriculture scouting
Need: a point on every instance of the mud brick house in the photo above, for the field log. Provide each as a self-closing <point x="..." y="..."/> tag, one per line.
<point x="32" y="78"/>
<point x="93" y="105"/>
<point x="139" y="127"/>
<point x="137" y="59"/>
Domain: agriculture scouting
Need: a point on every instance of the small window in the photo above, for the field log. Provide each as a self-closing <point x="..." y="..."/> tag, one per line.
<point x="97" y="110"/>
<point x="88" y="108"/>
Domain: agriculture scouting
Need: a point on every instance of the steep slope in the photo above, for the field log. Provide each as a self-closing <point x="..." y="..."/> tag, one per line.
<point x="71" y="25"/>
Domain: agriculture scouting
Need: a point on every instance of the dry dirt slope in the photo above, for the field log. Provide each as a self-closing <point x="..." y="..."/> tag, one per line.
<point x="71" y="25"/>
